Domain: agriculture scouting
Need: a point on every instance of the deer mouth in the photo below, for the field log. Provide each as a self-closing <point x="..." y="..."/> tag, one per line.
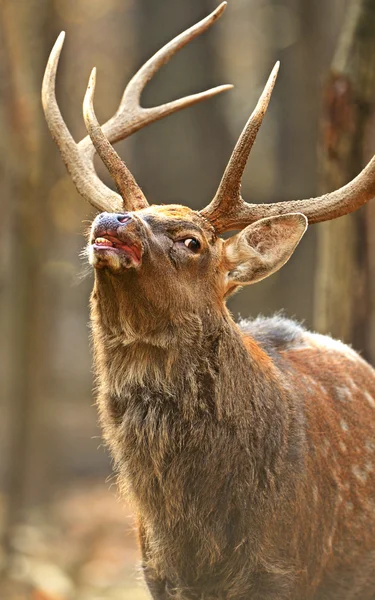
<point x="108" y="243"/>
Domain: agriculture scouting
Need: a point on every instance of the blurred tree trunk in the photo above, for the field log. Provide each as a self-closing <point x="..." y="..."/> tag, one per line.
<point x="23" y="196"/>
<point x="342" y="298"/>
<point x="182" y="158"/>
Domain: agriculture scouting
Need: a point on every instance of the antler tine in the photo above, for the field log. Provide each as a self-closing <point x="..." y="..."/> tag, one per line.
<point x="228" y="211"/>
<point x="330" y="206"/>
<point x="227" y="203"/>
<point x="87" y="182"/>
<point x="129" y="117"/>
<point x="133" y="198"/>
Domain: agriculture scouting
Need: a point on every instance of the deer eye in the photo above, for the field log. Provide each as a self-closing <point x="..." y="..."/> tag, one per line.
<point x="192" y="244"/>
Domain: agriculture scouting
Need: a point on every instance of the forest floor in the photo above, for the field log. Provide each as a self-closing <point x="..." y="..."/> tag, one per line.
<point x="82" y="546"/>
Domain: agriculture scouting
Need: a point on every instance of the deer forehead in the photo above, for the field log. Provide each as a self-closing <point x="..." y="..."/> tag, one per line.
<point x="178" y="216"/>
<point x="174" y="211"/>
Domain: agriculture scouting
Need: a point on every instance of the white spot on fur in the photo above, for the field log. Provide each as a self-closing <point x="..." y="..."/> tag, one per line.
<point x="313" y="382"/>
<point x="370" y="446"/>
<point x="344" y="394"/>
<point x="326" y="446"/>
<point x="322" y="389"/>
<point x="352" y="384"/>
<point x="360" y="474"/>
<point x="308" y="381"/>
<point x="344" y="426"/>
<point x="342" y="446"/>
<point x="349" y="505"/>
<point x="369" y="399"/>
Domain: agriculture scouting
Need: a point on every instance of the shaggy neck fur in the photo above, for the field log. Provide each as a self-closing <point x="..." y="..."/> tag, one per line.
<point x="181" y="399"/>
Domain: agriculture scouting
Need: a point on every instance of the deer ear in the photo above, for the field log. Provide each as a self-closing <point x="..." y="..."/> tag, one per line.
<point x="262" y="248"/>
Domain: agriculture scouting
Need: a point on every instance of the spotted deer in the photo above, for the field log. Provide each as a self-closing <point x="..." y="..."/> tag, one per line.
<point x="247" y="450"/>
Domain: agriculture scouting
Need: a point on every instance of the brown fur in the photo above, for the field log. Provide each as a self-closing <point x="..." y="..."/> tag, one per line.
<point x="248" y="451"/>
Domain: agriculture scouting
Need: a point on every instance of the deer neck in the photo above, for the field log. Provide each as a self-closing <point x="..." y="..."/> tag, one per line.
<point x="203" y="352"/>
<point x="135" y="344"/>
<point x="209" y="391"/>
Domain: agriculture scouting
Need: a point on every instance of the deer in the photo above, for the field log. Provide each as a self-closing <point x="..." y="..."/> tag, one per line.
<point x="247" y="450"/>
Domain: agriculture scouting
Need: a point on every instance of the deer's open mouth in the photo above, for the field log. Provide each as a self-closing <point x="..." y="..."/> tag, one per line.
<point x="111" y="243"/>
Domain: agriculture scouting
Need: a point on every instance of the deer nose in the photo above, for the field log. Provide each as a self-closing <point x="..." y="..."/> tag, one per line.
<point x="112" y="220"/>
<point x="124" y="218"/>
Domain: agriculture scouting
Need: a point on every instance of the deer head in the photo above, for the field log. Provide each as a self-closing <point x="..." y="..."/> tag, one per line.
<point x="171" y="258"/>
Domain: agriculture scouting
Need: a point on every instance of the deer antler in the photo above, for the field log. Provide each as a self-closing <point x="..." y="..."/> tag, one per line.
<point x="132" y="195"/>
<point x="129" y="118"/>
<point x="227" y="203"/>
<point x="228" y="211"/>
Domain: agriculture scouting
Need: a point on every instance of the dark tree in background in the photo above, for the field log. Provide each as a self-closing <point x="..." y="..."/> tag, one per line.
<point x="344" y="293"/>
<point x="25" y="219"/>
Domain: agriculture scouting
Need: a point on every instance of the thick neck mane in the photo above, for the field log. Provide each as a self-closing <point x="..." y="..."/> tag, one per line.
<point x="193" y="386"/>
<point x="211" y="357"/>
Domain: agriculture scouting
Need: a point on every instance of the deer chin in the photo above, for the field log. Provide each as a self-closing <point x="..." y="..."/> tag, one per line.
<point x="109" y="252"/>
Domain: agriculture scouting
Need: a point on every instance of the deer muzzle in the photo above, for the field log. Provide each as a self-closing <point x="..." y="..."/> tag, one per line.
<point x="115" y="242"/>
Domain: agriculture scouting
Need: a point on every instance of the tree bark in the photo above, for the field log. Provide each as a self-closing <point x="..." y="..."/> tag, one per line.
<point x="23" y="194"/>
<point x="343" y="304"/>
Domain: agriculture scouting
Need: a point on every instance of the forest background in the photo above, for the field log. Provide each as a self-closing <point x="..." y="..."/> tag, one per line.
<point x="64" y="534"/>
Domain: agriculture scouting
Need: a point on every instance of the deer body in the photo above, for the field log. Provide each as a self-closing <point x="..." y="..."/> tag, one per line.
<point x="251" y="469"/>
<point x="248" y="451"/>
